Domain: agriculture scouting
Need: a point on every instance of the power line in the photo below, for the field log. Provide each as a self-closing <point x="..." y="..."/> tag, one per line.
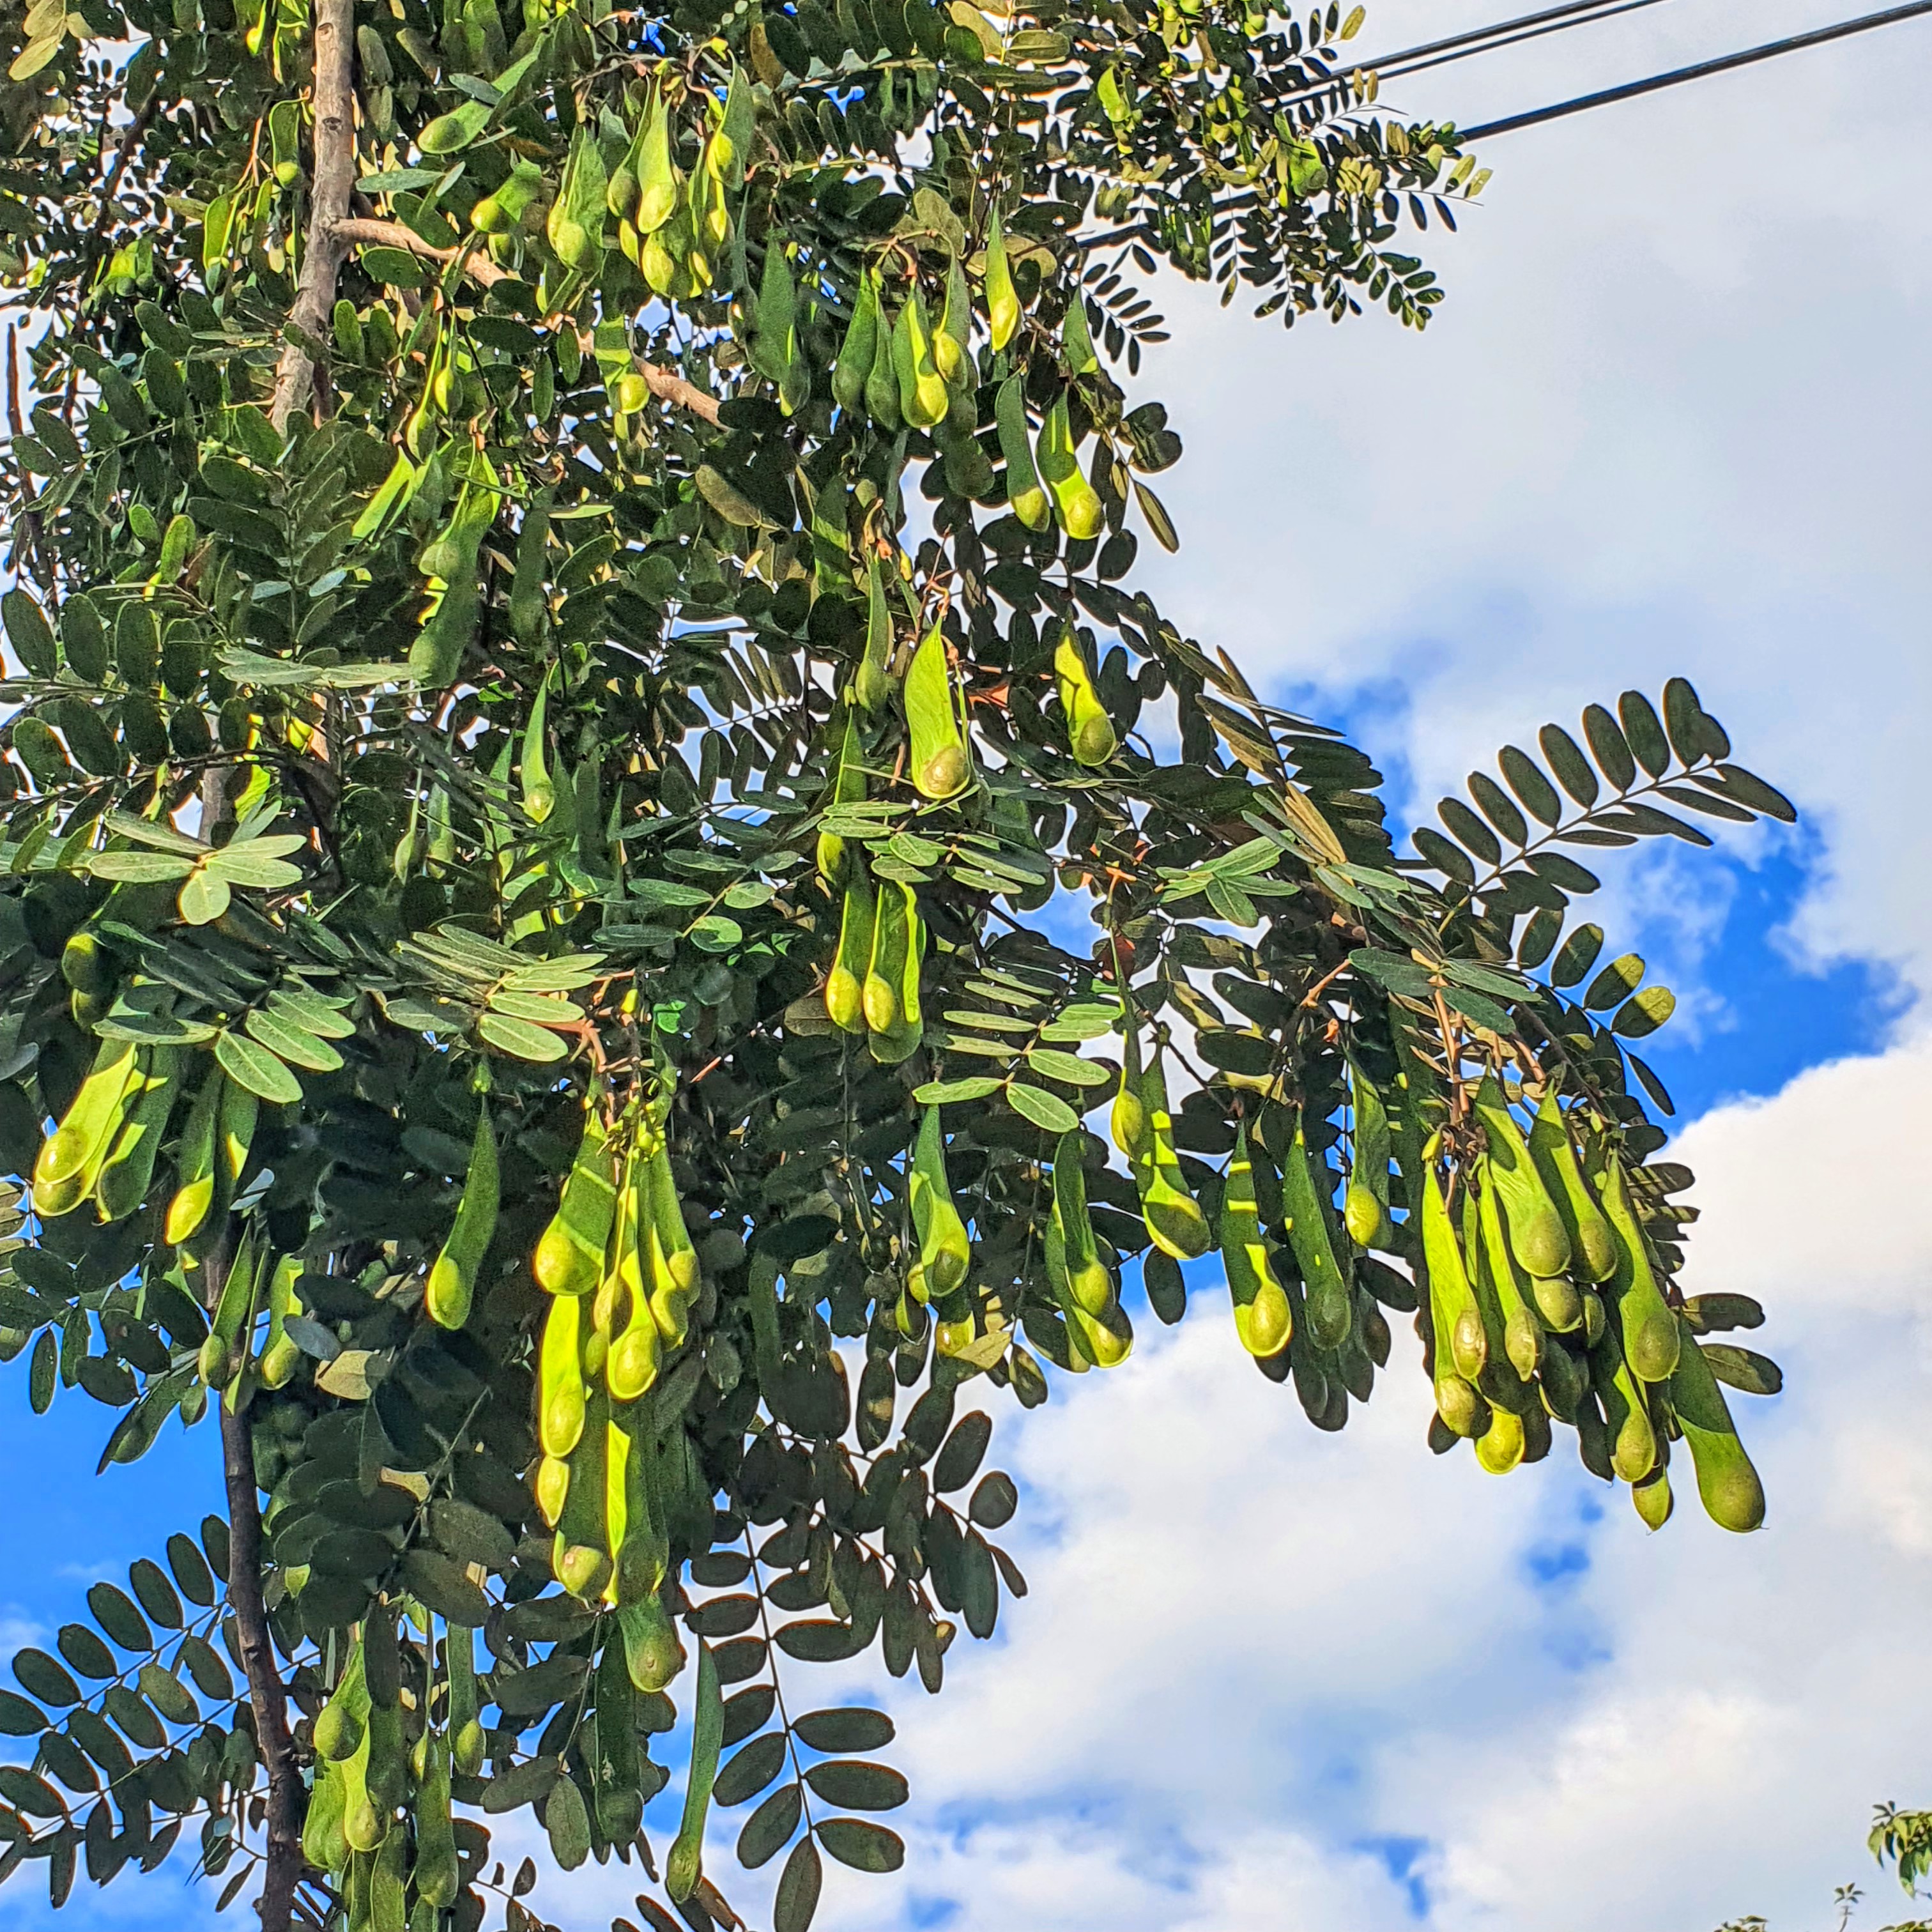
<point x="1500" y="37"/>
<point x="1724" y="64"/>
<point x="1501" y="33"/>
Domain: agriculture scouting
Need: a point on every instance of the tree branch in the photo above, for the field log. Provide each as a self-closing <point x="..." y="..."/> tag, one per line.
<point x="333" y="181"/>
<point x="665" y="384"/>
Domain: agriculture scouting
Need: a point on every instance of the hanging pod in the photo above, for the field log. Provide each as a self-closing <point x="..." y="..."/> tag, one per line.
<point x="1732" y="1496"/>
<point x="1456" y="1322"/>
<point x="945" y="1253"/>
<point x="69" y="1161"/>
<point x="1632" y="1440"/>
<point x="280" y="1354"/>
<point x="644" y="1560"/>
<point x="657" y="183"/>
<point x="882" y="381"/>
<point x="1593" y="1247"/>
<point x="568" y="1258"/>
<point x="1536" y="1230"/>
<point x="574" y="227"/>
<point x="1331" y="1304"/>
<point x="1523" y="1341"/>
<point x="857" y="352"/>
<point x="937" y="750"/>
<point x="1024" y="497"/>
<point x="951" y="342"/>
<point x="923" y="396"/>
<point x="465" y="1727"/>
<point x="221" y="1354"/>
<point x="622" y="1308"/>
<point x="847" y="787"/>
<point x="1090" y="730"/>
<point x="675" y="1275"/>
<point x="1075" y="503"/>
<point x="774" y="344"/>
<point x="1263" y="1319"/>
<point x="891" y="998"/>
<point x="1089" y="1281"/>
<point x="561" y="1393"/>
<point x="533" y="769"/>
<point x="1128" y="1120"/>
<point x="874" y="683"/>
<point x="1173" y="1217"/>
<point x="528" y="603"/>
<point x="452" y="1281"/>
<point x="1650" y="1331"/>
<point x="1003" y="301"/>
<point x="1366" y="1205"/>
<point x="844" y="985"/>
<point x="127" y="1169"/>
<point x="581" y="1556"/>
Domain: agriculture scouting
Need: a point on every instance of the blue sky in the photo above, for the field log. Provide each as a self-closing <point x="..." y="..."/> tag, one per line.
<point x="1672" y="419"/>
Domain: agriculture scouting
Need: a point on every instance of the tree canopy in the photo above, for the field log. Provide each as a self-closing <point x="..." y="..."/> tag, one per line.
<point x="592" y="811"/>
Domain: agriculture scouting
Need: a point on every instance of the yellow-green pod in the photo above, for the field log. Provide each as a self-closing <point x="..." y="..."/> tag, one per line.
<point x="452" y="1280"/>
<point x="844" y="984"/>
<point x="1331" y="1305"/>
<point x="1075" y="500"/>
<point x="937" y="754"/>
<point x="946" y="1254"/>
<point x="1173" y="1217"/>
<point x="1650" y="1333"/>
<point x="561" y="1393"/>
<point x="1732" y="1496"/>
<point x="1263" y="1318"/>
<point x="874" y="683"/>
<point x="1024" y="497"/>
<point x="194" y="1164"/>
<point x="69" y="1161"/>
<point x="1090" y="730"/>
<point x="885" y="972"/>
<point x="923" y="397"/>
<point x="568" y="1258"/>
<point x="1003" y="301"/>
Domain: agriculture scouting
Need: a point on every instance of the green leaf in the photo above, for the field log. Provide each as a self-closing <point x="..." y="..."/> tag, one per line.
<point x="1045" y="1110"/>
<point x="139" y="869"/>
<point x="168" y="1695"/>
<point x="994" y="1500"/>
<point x="1469" y="831"/>
<point x="249" y="865"/>
<point x="44" y="1677"/>
<point x="291" y="1043"/>
<point x="471" y="1535"/>
<point x="442" y="1585"/>
<point x="1573" y="770"/>
<point x="203" y="898"/>
<point x="1644" y="1012"/>
<point x="1620" y="978"/>
<point x="1450" y="860"/>
<point x="155" y="1593"/>
<point x="1742" y="1369"/>
<point x="204" y="1665"/>
<point x="18" y="1718"/>
<point x="254" y="1067"/>
<point x="1607" y="746"/>
<point x="797" y="1896"/>
<point x="747" y="1773"/>
<point x="521" y="1039"/>
<point x="819" y="1640"/>
<point x="853" y="1728"/>
<point x="1526" y="779"/>
<point x="860" y="1786"/>
<point x="1578" y="955"/>
<point x="1054" y="1065"/>
<point x="859" y="1843"/>
<point x="769" y="1828"/>
<point x="1644" y="734"/>
<point x="949" y="1092"/>
<point x="1496" y="808"/>
<point x="114" y="1611"/>
<point x="959" y="1460"/>
<point x="191" y="1571"/>
<point x="86" y="1652"/>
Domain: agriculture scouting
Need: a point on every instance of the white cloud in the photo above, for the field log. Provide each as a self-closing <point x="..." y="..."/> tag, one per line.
<point x="1669" y="419"/>
<point x="1266" y="1678"/>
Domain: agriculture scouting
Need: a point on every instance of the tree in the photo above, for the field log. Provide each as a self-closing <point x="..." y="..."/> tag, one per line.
<point x="540" y="891"/>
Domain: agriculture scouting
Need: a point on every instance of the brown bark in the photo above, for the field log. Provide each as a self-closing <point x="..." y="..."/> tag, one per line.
<point x="332" y="182"/>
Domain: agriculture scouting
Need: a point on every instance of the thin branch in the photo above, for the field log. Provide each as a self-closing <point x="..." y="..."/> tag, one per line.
<point x="268" y="1697"/>
<point x="333" y="181"/>
<point x="664" y="384"/>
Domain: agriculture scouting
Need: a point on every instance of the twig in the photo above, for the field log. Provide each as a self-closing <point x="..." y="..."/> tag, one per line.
<point x="664" y="384"/>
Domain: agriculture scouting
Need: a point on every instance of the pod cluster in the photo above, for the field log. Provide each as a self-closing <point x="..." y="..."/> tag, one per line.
<point x="618" y="1265"/>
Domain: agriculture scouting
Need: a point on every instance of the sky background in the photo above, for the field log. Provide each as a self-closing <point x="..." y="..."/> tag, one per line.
<point x="1671" y="419"/>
